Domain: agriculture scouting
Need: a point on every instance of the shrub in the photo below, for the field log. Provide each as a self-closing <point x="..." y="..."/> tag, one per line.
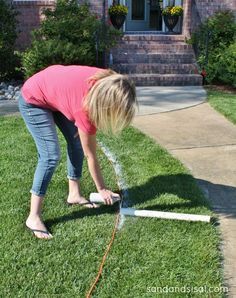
<point x="7" y="40"/>
<point x="67" y="36"/>
<point x="227" y="65"/>
<point x="211" y="39"/>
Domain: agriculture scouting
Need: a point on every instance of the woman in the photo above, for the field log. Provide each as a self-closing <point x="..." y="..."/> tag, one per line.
<point x="79" y="100"/>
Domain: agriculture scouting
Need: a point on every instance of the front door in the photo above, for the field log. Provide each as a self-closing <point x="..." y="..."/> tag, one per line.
<point x="138" y="15"/>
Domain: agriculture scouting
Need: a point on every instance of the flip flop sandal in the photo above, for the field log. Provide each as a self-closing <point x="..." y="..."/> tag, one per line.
<point x="40" y="231"/>
<point x="81" y="204"/>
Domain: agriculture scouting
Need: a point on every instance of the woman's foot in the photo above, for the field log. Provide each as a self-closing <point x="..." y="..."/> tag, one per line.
<point x="81" y="201"/>
<point x="36" y="225"/>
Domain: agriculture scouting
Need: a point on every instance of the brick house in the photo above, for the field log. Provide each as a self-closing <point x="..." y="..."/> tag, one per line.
<point x="147" y="52"/>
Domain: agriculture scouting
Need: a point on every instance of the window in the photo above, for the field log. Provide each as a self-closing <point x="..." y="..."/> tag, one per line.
<point x="138" y="9"/>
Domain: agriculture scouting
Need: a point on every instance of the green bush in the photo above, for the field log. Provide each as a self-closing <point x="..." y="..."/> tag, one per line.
<point x="7" y="40"/>
<point x="211" y="40"/>
<point x="67" y="36"/>
<point x="227" y="65"/>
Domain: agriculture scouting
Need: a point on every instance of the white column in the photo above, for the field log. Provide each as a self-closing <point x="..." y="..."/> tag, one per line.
<point x="124" y="3"/>
<point x="164" y="29"/>
<point x="178" y="2"/>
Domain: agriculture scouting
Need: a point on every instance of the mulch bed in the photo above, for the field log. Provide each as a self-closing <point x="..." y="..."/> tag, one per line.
<point x="224" y="88"/>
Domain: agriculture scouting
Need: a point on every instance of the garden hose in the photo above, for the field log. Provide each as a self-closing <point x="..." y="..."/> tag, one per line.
<point x="89" y="293"/>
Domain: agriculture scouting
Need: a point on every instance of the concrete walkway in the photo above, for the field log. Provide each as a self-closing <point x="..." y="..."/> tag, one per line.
<point x="154" y="100"/>
<point x="169" y="99"/>
<point x="8" y="107"/>
<point x="205" y="142"/>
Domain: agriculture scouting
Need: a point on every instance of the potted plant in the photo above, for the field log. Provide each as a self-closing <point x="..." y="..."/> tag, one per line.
<point x="171" y="16"/>
<point x="118" y="13"/>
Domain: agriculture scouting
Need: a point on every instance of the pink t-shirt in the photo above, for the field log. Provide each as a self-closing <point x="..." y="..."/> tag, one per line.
<point x="62" y="88"/>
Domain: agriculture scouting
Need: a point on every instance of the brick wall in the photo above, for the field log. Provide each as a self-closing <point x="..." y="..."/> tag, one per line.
<point x="97" y="7"/>
<point x="29" y="17"/>
<point x="187" y="18"/>
<point x="201" y="9"/>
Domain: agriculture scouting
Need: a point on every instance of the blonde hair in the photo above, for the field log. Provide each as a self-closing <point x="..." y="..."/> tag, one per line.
<point x="111" y="101"/>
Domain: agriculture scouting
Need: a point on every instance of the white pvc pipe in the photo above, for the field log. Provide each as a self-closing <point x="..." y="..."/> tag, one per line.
<point x="165" y="215"/>
<point x="96" y="198"/>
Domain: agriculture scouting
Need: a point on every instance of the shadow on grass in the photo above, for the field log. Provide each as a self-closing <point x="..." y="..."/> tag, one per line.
<point x="181" y="186"/>
<point x="80" y="213"/>
<point x="219" y="198"/>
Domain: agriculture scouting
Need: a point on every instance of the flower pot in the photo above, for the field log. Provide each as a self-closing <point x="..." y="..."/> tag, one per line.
<point x="117" y="20"/>
<point x="171" y="22"/>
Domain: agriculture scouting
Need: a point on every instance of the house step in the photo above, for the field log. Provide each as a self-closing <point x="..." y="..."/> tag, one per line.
<point x="166" y="79"/>
<point x="153" y="37"/>
<point x="154" y="58"/>
<point x="151" y="50"/>
<point x="154" y="47"/>
<point x="158" y="68"/>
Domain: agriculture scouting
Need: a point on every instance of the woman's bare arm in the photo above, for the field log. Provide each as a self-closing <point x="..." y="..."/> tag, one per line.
<point x="88" y="143"/>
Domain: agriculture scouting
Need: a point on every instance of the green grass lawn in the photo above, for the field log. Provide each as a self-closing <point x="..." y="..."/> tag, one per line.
<point x="224" y="102"/>
<point x="146" y="252"/>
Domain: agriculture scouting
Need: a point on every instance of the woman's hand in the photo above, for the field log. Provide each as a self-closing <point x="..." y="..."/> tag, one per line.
<point x="107" y="196"/>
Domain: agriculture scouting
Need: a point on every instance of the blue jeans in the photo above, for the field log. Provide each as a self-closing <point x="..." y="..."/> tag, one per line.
<point x="41" y="124"/>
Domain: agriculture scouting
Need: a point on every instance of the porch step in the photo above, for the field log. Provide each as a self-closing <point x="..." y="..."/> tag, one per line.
<point x="153" y="37"/>
<point x="166" y="79"/>
<point x="154" y="58"/>
<point x="143" y="47"/>
<point x="156" y="68"/>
